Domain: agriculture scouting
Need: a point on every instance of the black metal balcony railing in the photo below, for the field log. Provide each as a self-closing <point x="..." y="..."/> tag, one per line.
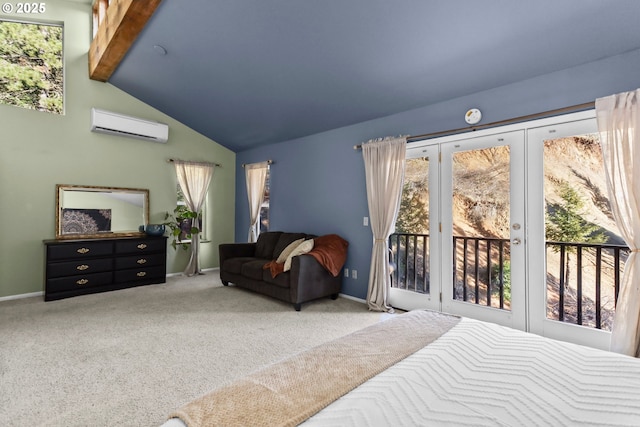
<point x="588" y="296"/>
<point x="583" y="280"/>
<point x="410" y="253"/>
<point x="481" y="267"/>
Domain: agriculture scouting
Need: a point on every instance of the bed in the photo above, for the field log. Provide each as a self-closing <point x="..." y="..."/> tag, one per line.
<point x="429" y="368"/>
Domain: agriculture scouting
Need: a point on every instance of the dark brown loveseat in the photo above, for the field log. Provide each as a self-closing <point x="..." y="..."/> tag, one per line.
<point x="312" y="275"/>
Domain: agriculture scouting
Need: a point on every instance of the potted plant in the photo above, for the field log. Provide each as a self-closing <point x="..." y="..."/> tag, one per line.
<point x="181" y="225"/>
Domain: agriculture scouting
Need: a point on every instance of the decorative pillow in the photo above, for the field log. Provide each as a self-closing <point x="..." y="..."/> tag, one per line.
<point x="286" y="251"/>
<point x="302" y="248"/>
<point x="283" y="242"/>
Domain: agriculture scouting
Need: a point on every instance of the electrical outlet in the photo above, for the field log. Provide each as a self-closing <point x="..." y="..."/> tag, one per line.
<point x="365" y="221"/>
<point x="354" y="274"/>
<point x="346" y="272"/>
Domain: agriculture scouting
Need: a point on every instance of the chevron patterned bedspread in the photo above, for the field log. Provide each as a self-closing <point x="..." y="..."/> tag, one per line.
<point x="483" y="374"/>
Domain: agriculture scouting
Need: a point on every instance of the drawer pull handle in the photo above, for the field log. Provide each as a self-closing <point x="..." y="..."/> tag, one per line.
<point x="82" y="282"/>
<point x="83" y="250"/>
<point x="141" y="261"/>
<point x="142" y="246"/>
<point x="141" y="274"/>
<point x="82" y="267"/>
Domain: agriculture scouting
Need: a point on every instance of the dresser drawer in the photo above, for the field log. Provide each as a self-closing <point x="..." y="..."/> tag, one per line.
<point x="78" y="282"/>
<point x="82" y="266"/>
<point x="79" y="250"/>
<point x="139" y="274"/>
<point x="141" y="246"/>
<point x="138" y="261"/>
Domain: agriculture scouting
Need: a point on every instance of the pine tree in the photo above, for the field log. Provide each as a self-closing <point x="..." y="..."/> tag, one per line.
<point x="413" y="217"/>
<point x="31" y="66"/>
<point x="564" y="223"/>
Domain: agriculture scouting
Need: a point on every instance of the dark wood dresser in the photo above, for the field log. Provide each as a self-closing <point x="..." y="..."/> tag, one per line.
<point x="78" y="267"/>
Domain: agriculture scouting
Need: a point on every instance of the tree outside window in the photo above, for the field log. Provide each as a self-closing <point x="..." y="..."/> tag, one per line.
<point x="31" y="66"/>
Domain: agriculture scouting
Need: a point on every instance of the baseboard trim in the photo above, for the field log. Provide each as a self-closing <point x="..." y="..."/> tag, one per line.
<point x="21" y="296"/>
<point x="36" y="294"/>
<point x="203" y="270"/>
<point x="41" y="293"/>
<point x="360" y="300"/>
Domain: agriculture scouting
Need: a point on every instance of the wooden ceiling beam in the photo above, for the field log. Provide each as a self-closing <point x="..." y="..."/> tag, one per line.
<point x="116" y="34"/>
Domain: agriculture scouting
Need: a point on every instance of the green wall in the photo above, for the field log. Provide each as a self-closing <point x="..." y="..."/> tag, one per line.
<point x="39" y="150"/>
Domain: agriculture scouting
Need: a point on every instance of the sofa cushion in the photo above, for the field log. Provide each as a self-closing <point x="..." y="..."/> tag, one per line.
<point x="285" y="240"/>
<point x="234" y="265"/>
<point x="253" y="269"/>
<point x="266" y="244"/>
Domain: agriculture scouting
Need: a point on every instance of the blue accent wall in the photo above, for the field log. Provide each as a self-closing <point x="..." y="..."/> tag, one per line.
<point x="317" y="182"/>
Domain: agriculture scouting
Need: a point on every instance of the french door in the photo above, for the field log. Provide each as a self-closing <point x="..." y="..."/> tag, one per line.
<point x="460" y="247"/>
<point x="573" y="272"/>
<point x="486" y="248"/>
<point x="483" y="228"/>
<point x="416" y="245"/>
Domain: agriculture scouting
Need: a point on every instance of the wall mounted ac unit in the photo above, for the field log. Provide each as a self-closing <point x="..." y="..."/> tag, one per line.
<point x="118" y="124"/>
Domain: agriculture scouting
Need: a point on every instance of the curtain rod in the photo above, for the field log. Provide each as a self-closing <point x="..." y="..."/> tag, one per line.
<point x="556" y="112"/>
<point x="269" y="162"/>
<point x="203" y="163"/>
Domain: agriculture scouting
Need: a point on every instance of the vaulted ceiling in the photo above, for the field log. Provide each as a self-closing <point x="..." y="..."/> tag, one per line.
<point x="247" y="73"/>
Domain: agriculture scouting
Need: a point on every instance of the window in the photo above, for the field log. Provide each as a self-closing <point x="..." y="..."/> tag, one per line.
<point x="186" y="224"/>
<point x="31" y="66"/>
<point x="264" y="208"/>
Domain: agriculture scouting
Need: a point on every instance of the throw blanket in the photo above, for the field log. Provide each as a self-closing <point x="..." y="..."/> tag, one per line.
<point x="289" y="392"/>
<point x="274" y="267"/>
<point x="331" y="252"/>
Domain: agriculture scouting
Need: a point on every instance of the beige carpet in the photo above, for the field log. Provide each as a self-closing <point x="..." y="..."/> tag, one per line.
<point x="131" y="357"/>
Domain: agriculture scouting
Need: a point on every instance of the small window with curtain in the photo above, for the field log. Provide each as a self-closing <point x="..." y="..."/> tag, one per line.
<point x="185" y="225"/>
<point x="258" y="195"/>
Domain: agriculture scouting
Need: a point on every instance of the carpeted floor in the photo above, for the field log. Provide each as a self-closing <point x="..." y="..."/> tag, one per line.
<point x="131" y="357"/>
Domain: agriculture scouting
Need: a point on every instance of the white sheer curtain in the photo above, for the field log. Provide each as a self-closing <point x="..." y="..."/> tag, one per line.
<point x="618" y="119"/>
<point x="256" y="175"/>
<point x="194" y="179"/>
<point x="384" y="163"/>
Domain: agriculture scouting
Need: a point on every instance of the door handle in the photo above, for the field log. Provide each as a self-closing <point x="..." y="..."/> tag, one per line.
<point x="516" y="241"/>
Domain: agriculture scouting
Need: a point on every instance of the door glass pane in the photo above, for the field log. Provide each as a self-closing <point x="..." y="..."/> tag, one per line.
<point x="585" y="255"/>
<point x="410" y="242"/>
<point x="481" y="220"/>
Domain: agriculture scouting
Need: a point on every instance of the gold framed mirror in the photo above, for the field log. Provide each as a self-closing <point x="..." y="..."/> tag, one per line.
<point x="100" y="212"/>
